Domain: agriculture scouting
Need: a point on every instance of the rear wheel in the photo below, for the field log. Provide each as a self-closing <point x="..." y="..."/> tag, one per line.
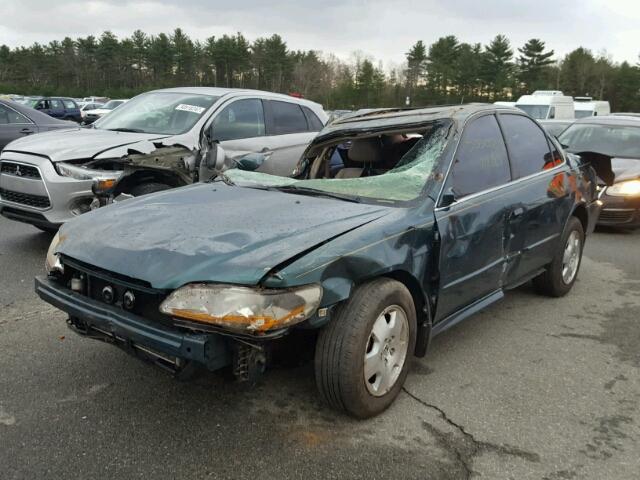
<point x="362" y="357"/>
<point x="146" y="188"/>
<point x="561" y="274"/>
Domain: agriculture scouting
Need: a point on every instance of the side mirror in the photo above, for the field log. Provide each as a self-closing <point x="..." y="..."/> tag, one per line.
<point x="215" y="157"/>
<point x="250" y="161"/>
<point x="448" y="197"/>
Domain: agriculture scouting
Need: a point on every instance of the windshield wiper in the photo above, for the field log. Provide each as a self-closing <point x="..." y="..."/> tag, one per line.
<point x="314" y="192"/>
<point x="127" y="130"/>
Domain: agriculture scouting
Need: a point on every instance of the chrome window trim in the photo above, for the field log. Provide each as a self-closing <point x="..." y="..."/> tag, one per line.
<point x="500" y="187"/>
<point x="41" y="179"/>
<point x="497" y="187"/>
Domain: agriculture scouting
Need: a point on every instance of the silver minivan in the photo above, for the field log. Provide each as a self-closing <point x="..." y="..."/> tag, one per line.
<point x="155" y="141"/>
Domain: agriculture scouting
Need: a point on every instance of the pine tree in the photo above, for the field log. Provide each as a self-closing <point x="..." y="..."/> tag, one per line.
<point x="532" y="62"/>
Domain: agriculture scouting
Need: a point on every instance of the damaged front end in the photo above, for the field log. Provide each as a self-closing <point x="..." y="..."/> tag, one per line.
<point x="141" y="172"/>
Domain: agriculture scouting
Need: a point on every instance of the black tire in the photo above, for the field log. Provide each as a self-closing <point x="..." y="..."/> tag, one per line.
<point x="146" y="188"/>
<point x="341" y="347"/>
<point x="551" y="282"/>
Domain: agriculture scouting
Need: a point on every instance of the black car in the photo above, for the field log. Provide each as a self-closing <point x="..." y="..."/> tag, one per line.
<point x="612" y="143"/>
<point x="57" y="107"/>
<point x="17" y="120"/>
<point x="434" y="214"/>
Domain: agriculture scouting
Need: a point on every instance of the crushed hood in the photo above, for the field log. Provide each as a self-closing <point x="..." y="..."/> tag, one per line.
<point x="208" y="232"/>
<point x="79" y="143"/>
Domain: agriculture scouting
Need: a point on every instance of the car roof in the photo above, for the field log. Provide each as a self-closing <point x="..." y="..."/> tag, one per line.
<point x="227" y="92"/>
<point x="618" y="120"/>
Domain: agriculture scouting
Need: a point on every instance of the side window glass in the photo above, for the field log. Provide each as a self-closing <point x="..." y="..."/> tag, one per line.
<point x="315" y="125"/>
<point x="241" y="119"/>
<point x="481" y="160"/>
<point x="552" y="112"/>
<point x="528" y="147"/>
<point x="69" y="104"/>
<point x="8" y="116"/>
<point x="288" y="118"/>
<point x="56" y="104"/>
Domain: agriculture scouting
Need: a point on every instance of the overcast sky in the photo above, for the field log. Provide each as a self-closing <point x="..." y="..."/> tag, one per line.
<point x="382" y="29"/>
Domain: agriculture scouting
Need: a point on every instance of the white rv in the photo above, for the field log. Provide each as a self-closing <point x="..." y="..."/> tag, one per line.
<point x="546" y="105"/>
<point x="588" y="107"/>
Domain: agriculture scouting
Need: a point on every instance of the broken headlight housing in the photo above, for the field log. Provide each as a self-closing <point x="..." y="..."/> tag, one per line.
<point x="52" y="262"/>
<point x="82" y="173"/>
<point x="243" y="309"/>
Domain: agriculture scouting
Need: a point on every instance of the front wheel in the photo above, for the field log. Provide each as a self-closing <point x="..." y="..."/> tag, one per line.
<point x="560" y="275"/>
<point x="362" y="357"/>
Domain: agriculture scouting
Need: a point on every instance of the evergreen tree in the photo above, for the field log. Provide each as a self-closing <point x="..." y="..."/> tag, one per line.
<point x="497" y="66"/>
<point x="532" y="63"/>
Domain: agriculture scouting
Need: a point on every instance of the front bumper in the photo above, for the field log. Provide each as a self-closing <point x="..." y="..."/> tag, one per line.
<point x="619" y="211"/>
<point x="169" y="347"/>
<point x="43" y="198"/>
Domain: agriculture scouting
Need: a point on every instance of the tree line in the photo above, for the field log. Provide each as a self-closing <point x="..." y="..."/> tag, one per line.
<point x="447" y="71"/>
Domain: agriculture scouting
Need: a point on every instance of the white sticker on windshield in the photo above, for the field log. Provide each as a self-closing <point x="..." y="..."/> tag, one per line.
<point x="190" y="108"/>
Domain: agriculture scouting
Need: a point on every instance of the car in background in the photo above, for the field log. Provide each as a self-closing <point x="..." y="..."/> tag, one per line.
<point x="87" y="107"/>
<point x="612" y="145"/>
<point x="91" y="116"/>
<point x="101" y="100"/>
<point x="555" y="127"/>
<point x="436" y="214"/>
<point x="62" y="108"/>
<point x="547" y="105"/>
<point x="17" y="121"/>
<point x="588" y="107"/>
<point x="158" y="140"/>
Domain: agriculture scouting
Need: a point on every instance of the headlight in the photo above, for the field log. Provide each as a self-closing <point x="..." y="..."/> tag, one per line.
<point x="243" y="309"/>
<point x="52" y="262"/>
<point x="82" y="173"/>
<point x="625" y="189"/>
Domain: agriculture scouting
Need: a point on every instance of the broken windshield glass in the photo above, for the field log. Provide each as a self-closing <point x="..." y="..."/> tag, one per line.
<point x="404" y="182"/>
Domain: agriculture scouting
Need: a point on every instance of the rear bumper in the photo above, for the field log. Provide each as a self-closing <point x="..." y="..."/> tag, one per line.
<point x="169" y="347"/>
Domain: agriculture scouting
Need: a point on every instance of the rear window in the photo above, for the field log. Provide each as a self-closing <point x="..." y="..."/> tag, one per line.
<point x="288" y="118"/>
<point x="315" y="125"/>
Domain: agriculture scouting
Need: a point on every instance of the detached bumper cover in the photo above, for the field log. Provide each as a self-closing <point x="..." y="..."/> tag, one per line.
<point x="211" y="350"/>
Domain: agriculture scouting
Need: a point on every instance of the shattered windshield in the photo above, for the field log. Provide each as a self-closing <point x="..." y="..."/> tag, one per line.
<point x="403" y="181"/>
<point x="164" y="113"/>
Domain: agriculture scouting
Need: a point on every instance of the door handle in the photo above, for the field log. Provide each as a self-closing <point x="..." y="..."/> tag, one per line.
<point x="26" y="131"/>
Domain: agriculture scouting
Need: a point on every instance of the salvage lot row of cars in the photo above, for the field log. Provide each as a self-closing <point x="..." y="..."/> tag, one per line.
<point x="368" y="236"/>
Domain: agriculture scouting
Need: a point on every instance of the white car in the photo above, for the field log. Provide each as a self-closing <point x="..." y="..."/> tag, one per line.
<point x="91" y="116"/>
<point x="87" y="107"/>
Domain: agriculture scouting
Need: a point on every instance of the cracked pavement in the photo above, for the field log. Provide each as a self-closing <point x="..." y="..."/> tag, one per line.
<point x="532" y="388"/>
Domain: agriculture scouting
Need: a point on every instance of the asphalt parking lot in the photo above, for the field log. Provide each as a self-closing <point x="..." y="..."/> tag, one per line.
<point x="532" y="388"/>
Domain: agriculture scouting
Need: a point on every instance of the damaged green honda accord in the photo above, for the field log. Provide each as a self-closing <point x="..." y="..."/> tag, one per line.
<point x="396" y="225"/>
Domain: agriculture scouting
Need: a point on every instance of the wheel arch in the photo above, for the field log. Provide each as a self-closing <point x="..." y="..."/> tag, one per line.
<point x="580" y="212"/>
<point x="422" y="306"/>
<point x="145" y="176"/>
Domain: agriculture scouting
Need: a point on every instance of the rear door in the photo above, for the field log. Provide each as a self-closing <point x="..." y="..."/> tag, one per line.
<point x="289" y="134"/>
<point x="472" y="228"/>
<point x="13" y="125"/>
<point x="56" y="109"/>
<point x="542" y="204"/>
